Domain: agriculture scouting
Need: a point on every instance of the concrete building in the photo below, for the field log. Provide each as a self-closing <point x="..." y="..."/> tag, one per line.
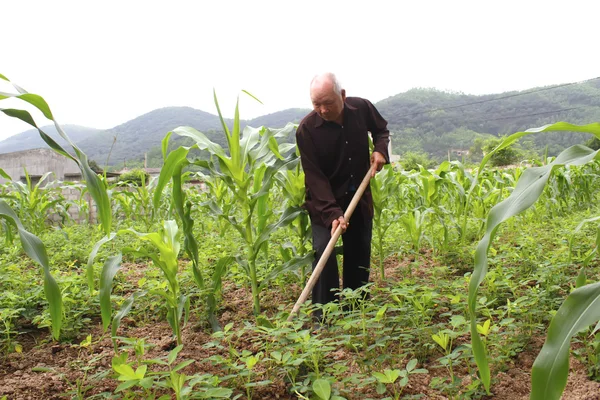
<point x="38" y="162"/>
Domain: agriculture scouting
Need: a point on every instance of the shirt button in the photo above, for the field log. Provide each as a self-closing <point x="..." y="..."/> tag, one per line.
<point x="351" y="176"/>
<point x="349" y="158"/>
<point x="346" y="142"/>
<point x="346" y="192"/>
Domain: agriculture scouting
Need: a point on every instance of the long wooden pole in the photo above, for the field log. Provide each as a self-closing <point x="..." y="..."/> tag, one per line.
<point x="331" y="245"/>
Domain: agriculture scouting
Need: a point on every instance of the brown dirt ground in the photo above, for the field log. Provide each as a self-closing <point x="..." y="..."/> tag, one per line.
<point x="65" y="362"/>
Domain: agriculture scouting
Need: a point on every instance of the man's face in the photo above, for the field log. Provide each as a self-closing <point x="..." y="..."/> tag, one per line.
<point x="328" y="104"/>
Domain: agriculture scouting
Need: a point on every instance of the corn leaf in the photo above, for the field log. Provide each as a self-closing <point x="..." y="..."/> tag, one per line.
<point x="110" y="269"/>
<point x="125" y="308"/>
<point x="529" y="187"/>
<point x="92" y="256"/>
<point x="5" y="175"/>
<point x="551" y="367"/>
<point x="36" y="250"/>
<point x="96" y="186"/>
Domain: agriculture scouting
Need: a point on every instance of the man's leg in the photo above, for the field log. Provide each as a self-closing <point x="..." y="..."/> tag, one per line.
<point x="329" y="278"/>
<point x="357" y="250"/>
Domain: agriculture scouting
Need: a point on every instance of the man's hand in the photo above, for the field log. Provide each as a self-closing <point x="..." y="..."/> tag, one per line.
<point x="379" y="160"/>
<point x="340" y="221"/>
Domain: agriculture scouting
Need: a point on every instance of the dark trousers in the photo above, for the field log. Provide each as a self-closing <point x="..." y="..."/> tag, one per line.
<point x="357" y="257"/>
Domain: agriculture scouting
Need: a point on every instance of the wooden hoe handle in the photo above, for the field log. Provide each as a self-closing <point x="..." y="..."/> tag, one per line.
<point x="331" y="245"/>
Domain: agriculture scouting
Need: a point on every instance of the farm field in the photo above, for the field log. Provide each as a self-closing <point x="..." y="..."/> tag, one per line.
<point x="182" y="292"/>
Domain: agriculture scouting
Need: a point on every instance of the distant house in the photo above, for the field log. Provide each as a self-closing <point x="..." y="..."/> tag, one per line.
<point x="458" y="152"/>
<point x="38" y="162"/>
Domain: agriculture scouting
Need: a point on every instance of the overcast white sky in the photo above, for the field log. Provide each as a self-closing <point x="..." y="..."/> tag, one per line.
<point x="100" y="64"/>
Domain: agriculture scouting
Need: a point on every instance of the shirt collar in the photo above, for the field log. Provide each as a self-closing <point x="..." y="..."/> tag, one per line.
<point x="320" y="121"/>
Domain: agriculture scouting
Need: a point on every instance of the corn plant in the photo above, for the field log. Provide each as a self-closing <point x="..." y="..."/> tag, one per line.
<point x="166" y="242"/>
<point x="383" y="188"/>
<point x="33" y="203"/>
<point x="96" y="185"/>
<point x="248" y="171"/>
<point x="135" y="201"/>
<point x="36" y="250"/>
<point x="549" y="374"/>
<point x="291" y="182"/>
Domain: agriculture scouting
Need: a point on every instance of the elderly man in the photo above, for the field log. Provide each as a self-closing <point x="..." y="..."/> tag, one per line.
<point x="334" y="150"/>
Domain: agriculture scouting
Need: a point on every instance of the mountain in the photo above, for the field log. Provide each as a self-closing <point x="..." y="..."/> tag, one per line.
<point x="420" y="120"/>
<point x="434" y="121"/>
<point x="279" y="119"/>
<point x="140" y="135"/>
<point x="31" y="139"/>
<point x="133" y="138"/>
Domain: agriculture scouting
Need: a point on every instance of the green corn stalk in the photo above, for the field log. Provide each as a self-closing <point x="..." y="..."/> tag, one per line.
<point x="33" y="203"/>
<point x="248" y="171"/>
<point x="136" y="201"/>
<point x="528" y="189"/>
<point x="291" y="182"/>
<point x="36" y="250"/>
<point x="96" y="185"/>
<point x="383" y="188"/>
<point x="166" y="242"/>
<point x="415" y="222"/>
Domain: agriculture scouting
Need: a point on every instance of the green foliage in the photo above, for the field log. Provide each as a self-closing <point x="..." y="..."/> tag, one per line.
<point x="137" y="176"/>
<point x="500" y="158"/>
<point x="527" y="191"/>
<point x="411" y="161"/>
<point x="247" y="171"/>
<point x="250" y="209"/>
<point x="36" y="250"/>
<point x="166" y="252"/>
<point x="456" y="127"/>
<point x="593" y="143"/>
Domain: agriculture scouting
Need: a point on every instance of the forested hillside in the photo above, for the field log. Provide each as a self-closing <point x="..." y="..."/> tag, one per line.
<point x="421" y="120"/>
<point x="31" y="139"/>
<point x="434" y="122"/>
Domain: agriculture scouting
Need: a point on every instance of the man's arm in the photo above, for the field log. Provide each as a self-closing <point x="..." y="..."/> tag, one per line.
<point x="377" y="125"/>
<point x="381" y="137"/>
<point x="321" y="195"/>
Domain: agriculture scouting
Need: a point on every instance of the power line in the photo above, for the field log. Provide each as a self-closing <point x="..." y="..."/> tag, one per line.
<point x="533" y="114"/>
<point x="497" y="98"/>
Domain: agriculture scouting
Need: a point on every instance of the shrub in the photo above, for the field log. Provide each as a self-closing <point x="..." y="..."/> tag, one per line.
<point x="134" y="176"/>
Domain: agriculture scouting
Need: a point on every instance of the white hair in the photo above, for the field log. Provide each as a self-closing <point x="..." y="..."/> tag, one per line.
<point x="337" y="86"/>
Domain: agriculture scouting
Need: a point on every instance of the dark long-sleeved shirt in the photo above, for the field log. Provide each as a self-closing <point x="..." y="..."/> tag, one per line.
<point x="336" y="158"/>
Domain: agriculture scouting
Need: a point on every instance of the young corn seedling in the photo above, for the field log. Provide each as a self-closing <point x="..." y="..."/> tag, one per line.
<point x="36" y="250"/>
<point x="166" y="242"/>
<point x="383" y="188"/>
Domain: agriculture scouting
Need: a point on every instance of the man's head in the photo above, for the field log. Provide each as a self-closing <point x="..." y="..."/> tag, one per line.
<point x="327" y="97"/>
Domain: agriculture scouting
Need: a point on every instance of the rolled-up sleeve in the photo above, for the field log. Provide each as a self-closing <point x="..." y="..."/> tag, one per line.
<point x="321" y="202"/>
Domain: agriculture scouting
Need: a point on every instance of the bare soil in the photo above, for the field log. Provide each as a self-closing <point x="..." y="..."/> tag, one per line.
<point x="60" y="366"/>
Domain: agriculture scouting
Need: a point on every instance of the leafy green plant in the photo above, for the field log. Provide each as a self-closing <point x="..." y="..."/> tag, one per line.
<point x="36" y="250"/>
<point x="389" y="378"/>
<point x="169" y="377"/>
<point x="524" y="195"/>
<point x="253" y="160"/>
<point x="96" y="185"/>
<point x="383" y="187"/>
<point x="34" y="203"/>
<point x="136" y="177"/>
<point x="166" y="242"/>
